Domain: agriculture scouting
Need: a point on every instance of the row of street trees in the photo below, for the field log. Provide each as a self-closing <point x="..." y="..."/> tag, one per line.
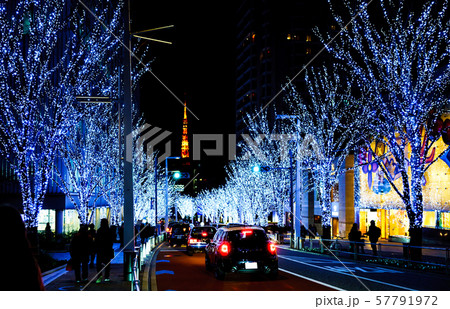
<point x="398" y="54"/>
<point x="53" y="52"/>
<point x="387" y="82"/>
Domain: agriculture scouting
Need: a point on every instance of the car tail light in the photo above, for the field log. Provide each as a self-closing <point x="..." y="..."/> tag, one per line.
<point x="192" y="240"/>
<point x="224" y="249"/>
<point x="272" y="248"/>
<point x="204" y="234"/>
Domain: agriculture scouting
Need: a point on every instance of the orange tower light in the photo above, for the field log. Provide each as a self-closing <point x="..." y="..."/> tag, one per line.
<point x="184" y="139"/>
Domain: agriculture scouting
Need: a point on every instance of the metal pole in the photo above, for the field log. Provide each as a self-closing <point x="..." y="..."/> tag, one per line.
<point x="166" y="220"/>
<point x="167" y="194"/>
<point x="291" y="202"/>
<point x="156" y="196"/>
<point x="298" y="202"/>
<point x="128" y="209"/>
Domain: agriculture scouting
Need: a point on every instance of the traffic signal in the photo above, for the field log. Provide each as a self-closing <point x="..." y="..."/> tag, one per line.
<point x="177" y="175"/>
<point x="257" y="168"/>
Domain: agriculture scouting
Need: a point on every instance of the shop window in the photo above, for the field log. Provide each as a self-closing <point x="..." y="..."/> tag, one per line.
<point x="429" y="219"/>
<point x="445" y="220"/>
<point x="398" y="222"/>
<point x="46" y="215"/>
<point x="71" y="221"/>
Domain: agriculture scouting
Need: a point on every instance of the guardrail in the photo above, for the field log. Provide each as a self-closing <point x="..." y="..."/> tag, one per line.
<point x="438" y="257"/>
<point x="141" y="253"/>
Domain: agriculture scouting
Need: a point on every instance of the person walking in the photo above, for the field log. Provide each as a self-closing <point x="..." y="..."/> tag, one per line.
<point x="355" y="239"/>
<point x="19" y="270"/>
<point x="312" y="231"/>
<point x="92" y="234"/>
<point x="104" y="248"/>
<point x="80" y="249"/>
<point x="374" y="233"/>
<point x="48" y="233"/>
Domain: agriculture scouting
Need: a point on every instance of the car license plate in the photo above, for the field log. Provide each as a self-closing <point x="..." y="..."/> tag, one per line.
<point x="179" y="237"/>
<point x="251" y="265"/>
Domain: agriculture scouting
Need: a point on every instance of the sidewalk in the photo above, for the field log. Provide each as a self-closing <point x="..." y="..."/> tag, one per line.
<point x="386" y="249"/>
<point x="62" y="280"/>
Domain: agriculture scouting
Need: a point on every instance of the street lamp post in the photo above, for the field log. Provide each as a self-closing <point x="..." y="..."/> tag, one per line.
<point x="166" y="222"/>
<point x="298" y="206"/>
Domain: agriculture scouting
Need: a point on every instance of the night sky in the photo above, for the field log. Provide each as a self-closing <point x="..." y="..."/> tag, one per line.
<point x="198" y="67"/>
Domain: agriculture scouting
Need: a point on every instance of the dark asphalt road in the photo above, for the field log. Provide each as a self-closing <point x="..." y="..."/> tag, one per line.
<point x="359" y="276"/>
<point x="299" y="271"/>
<point x="175" y="270"/>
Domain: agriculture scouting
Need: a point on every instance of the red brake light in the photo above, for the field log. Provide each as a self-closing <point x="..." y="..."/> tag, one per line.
<point x="204" y="234"/>
<point x="224" y="249"/>
<point x="272" y="248"/>
<point x="246" y="232"/>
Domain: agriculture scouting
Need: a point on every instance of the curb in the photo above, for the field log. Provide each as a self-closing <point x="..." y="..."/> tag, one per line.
<point x="149" y="277"/>
<point x="51" y="271"/>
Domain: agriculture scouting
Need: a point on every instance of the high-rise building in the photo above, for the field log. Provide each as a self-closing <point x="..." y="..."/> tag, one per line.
<point x="274" y="40"/>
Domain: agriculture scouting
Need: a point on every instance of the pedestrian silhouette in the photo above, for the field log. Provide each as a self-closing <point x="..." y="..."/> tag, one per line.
<point x="312" y="231"/>
<point x="48" y="232"/>
<point x="355" y="239"/>
<point x="19" y="270"/>
<point x="92" y="234"/>
<point x="302" y="231"/>
<point x="80" y="249"/>
<point x="374" y="233"/>
<point x="104" y="249"/>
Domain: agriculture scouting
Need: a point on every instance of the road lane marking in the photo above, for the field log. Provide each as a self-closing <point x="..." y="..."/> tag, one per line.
<point x="346" y="274"/>
<point x="162" y="272"/>
<point x="370" y="270"/>
<point x="312" y="280"/>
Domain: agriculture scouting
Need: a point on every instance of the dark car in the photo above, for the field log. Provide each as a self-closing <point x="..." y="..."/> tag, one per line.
<point x="241" y="249"/>
<point x="198" y="238"/>
<point x="179" y="234"/>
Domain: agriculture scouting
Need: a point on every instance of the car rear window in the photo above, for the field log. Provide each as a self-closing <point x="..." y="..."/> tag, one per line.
<point x="199" y="230"/>
<point x="242" y="236"/>
<point x="180" y="229"/>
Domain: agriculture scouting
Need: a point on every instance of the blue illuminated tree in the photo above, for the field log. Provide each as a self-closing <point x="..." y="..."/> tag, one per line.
<point x="331" y="123"/>
<point x="249" y="196"/>
<point x="399" y="54"/>
<point x="90" y="159"/>
<point x="49" y="56"/>
<point x="267" y="145"/>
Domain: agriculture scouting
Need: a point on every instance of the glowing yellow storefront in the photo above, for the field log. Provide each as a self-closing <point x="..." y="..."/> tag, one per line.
<point x="380" y="202"/>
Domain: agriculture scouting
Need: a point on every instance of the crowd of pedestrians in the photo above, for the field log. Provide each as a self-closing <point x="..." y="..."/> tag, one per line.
<point x="89" y="244"/>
